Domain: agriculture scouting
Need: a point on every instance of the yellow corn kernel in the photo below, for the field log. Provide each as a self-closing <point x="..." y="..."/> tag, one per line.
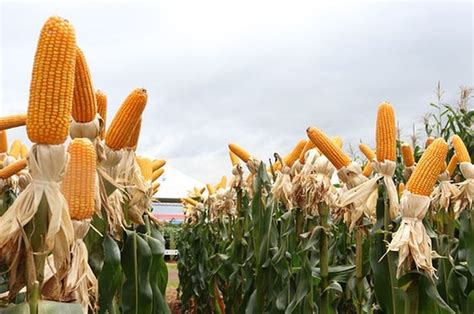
<point x="84" y="104"/>
<point x="156" y="174"/>
<point x="367" y="151"/>
<point x="429" y="140"/>
<point x="335" y="155"/>
<point x="23" y="151"/>
<point x="101" y="100"/>
<point x="295" y="153"/>
<point x="407" y="155"/>
<point x="452" y="164"/>
<point x="12" y="169"/>
<point x="3" y="142"/>
<point x="367" y="169"/>
<point x="428" y="168"/>
<point x="133" y="140"/>
<point x="52" y="83"/>
<point x="15" y="149"/>
<point x="386" y="133"/>
<point x="157" y="164"/>
<point x="460" y="148"/>
<point x="79" y="182"/>
<point x="309" y="145"/>
<point x="13" y="121"/>
<point x="337" y="140"/>
<point x="126" y="119"/>
<point x="190" y="201"/>
<point x="210" y="189"/>
<point x="239" y="152"/>
<point x="145" y="167"/>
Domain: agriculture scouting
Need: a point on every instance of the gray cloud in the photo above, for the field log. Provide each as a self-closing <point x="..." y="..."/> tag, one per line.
<point x="254" y="74"/>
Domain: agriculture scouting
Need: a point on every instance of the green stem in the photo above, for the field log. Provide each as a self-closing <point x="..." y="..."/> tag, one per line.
<point x="34" y="297"/>
<point x="324" y="260"/>
<point x="388" y="238"/>
<point x="411" y="298"/>
<point x="359" y="267"/>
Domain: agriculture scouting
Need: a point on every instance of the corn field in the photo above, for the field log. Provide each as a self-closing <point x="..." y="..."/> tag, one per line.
<point x="314" y="231"/>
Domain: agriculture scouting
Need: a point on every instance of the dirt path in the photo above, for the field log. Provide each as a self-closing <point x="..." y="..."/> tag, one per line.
<point x="171" y="292"/>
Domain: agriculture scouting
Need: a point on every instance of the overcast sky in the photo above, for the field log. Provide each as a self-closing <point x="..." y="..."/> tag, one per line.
<point x="257" y="74"/>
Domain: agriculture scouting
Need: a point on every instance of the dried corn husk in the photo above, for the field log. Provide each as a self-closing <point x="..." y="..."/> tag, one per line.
<point x="444" y="192"/>
<point x="282" y="187"/>
<point x="466" y="189"/>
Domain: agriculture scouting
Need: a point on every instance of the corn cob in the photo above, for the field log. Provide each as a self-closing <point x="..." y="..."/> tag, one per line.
<point x="156" y="174"/>
<point x="157" y="164"/>
<point x="189" y="201"/>
<point x="367" y="169"/>
<point x="155" y="186"/>
<point x="295" y="153"/>
<point x="126" y="119"/>
<point x="407" y="155"/>
<point x="452" y="164"/>
<point x="337" y="140"/>
<point x="223" y="183"/>
<point x="367" y="151"/>
<point x="460" y="148"/>
<point x="233" y="158"/>
<point x="210" y="189"/>
<point x="3" y="142"/>
<point x="84" y="104"/>
<point x="196" y="191"/>
<point x="145" y="167"/>
<point x="429" y="140"/>
<point x="239" y="152"/>
<point x="12" y="169"/>
<point x="12" y="121"/>
<point x="386" y="133"/>
<point x="101" y="100"/>
<point x="79" y="183"/>
<point x="309" y="145"/>
<point x="428" y="168"/>
<point x="15" y="149"/>
<point x="133" y="140"/>
<point x="52" y="83"/>
<point x="444" y="167"/>
<point x="335" y="155"/>
<point x="23" y="151"/>
<point x="401" y="189"/>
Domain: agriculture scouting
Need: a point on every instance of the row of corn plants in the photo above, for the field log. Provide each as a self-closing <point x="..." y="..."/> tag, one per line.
<point x="318" y="232"/>
<point x="76" y="231"/>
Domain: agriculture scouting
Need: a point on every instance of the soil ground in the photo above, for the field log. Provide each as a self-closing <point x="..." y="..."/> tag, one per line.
<point x="171" y="292"/>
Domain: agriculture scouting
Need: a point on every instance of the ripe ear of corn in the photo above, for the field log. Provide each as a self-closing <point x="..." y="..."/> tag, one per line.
<point x="52" y="83"/>
<point x="126" y="119"/>
<point x="295" y="153"/>
<point x="15" y="149"/>
<point x="13" y="121"/>
<point x="84" y="106"/>
<point x="189" y="201"/>
<point x="233" y="158"/>
<point x="146" y="169"/>
<point x="156" y="174"/>
<point x="3" y="142"/>
<point x="101" y="100"/>
<point x="23" y="151"/>
<point x="223" y="183"/>
<point x="367" y="151"/>
<point x="335" y="155"/>
<point x="386" y="133"/>
<point x="337" y="140"/>
<point x="309" y="145"/>
<point x="157" y="164"/>
<point x="367" y="169"/>
<point x="407" y="155"/>
<point x="460" y="149"/>
<point x="239" y="152"/>
<point x="12" y="169"/>
<point x="155" y="186"/>
<point x="401" y="189"/>
<point x="431" y="163"/>
<point x="210" y="189"/>
<point x="133" y="140"/>
<point x="79" y="182"/>
<point x="452" y="164"/>
<point x="429" y="140"/>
